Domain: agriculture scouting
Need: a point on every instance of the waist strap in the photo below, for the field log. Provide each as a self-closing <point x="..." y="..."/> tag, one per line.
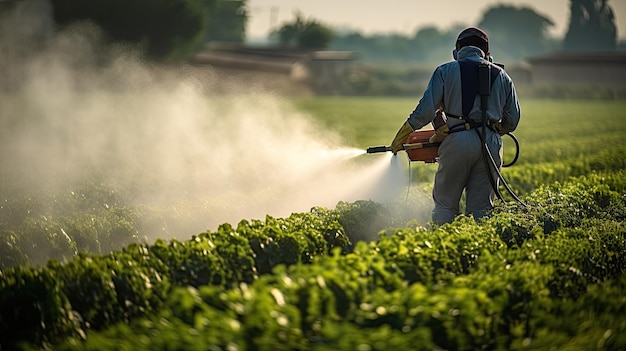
<point x="454" y="116"/>
<point x="470" y="125"/>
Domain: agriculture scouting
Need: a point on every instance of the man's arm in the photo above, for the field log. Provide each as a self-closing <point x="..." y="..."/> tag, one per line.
<point x="424" y="112"/>
<point x="511" y="112"/>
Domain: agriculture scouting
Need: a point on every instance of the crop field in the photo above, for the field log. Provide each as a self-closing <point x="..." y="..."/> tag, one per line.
<point x="355" y="275"/>
<point x="559" y="139"/>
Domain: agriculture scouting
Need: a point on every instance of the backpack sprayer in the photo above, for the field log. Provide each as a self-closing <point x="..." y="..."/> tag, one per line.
<point x="418" y="147"/>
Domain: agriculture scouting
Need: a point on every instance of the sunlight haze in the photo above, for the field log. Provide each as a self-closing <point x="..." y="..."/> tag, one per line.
<point x="404" y="16"/>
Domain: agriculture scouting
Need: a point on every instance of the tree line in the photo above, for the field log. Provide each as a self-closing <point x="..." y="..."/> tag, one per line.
<point x="515" y="33"/>
<point x="177" y="29"/>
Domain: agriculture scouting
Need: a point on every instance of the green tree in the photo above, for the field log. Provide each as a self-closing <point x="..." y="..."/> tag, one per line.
<point x="516" y="33"/>
<point x="592" y="26"/>
<point x="434" y="45"/>
<point x="228" y="21"/>
<point x="304" y="34"/>
<point x="167" y="29"/>
<point x="429" y="46"/>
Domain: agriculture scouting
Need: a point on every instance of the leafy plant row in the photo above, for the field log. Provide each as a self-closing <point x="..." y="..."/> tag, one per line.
<point x="492" y="284"/>
<point x="90" y="219"/>
<point x="527" y="178"/>
<point x="335" y="304"/>
<point x="510" y="282"/>
<point x="92" y="292"/>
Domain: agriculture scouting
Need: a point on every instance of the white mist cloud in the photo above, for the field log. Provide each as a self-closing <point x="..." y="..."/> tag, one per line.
<point x="74" y="111"/>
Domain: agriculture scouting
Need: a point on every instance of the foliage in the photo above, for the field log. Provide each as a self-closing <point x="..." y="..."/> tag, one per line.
<point x="93" y="292"/>
<point x="304" y="34"/>
<point x="91" y="219"/>
<point x="363" y="220"/>
<point x="592" y="26"/>
<point x="463" y="285"/>
<point x="516" y="33"/>
<point x="167" y="29"/>
<point x="428" y="46"/>
<point x="227" y="22"/>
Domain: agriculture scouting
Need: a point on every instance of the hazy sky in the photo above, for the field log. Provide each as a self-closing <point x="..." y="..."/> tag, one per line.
<point x="404" y="16"/>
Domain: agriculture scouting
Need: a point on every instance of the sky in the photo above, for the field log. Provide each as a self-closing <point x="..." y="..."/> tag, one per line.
<point x="404" y="16"/>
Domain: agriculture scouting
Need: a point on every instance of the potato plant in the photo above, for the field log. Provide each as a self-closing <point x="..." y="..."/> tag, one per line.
<point x="466" y="285"/>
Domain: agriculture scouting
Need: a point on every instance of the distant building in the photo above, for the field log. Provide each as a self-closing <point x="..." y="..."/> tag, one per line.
<point x="520" y="73"/>
<point x="322" y="71"/>
<point x="579" y="68"/>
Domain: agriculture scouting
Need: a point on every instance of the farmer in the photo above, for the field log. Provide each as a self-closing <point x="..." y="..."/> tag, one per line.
<point x="452" y="93"/>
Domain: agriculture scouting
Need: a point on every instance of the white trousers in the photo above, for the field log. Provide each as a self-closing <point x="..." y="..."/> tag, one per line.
<point x="461" y="167"/>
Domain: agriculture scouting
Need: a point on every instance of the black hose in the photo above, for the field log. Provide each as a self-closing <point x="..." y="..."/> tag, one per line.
<point x="486" y="152"/>
<point x="504" y="183"/>
<point x="490" y="162"/>
<point x="484" y="90"/>
<point x="516" y="151"/>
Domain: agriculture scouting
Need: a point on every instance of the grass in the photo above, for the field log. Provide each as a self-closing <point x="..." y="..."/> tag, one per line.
<point x="362" y="121"/>
<point x="368" y="121"/>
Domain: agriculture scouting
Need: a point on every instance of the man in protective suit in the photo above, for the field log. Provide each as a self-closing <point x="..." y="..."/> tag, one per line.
<point x="452" y="94"/>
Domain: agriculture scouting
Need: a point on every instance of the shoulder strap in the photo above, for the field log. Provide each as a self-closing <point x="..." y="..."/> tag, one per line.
<point x="469" y="83"/>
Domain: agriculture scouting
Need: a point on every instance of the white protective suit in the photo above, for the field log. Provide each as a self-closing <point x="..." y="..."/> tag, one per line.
<point x="461" y="164"/>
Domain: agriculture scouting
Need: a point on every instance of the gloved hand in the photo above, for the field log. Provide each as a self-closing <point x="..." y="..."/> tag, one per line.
<point x="441" y="127"/>
<point x="401" y="136"/>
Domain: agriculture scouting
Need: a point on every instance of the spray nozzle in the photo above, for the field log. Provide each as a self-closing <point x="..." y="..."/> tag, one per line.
<point x="377" y="149"/>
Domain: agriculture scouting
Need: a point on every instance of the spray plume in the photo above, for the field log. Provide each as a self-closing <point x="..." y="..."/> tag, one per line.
<point x="180" y="139"/>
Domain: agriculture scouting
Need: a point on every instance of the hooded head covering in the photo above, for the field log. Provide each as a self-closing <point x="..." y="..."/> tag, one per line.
<point x="474" y="32"/>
